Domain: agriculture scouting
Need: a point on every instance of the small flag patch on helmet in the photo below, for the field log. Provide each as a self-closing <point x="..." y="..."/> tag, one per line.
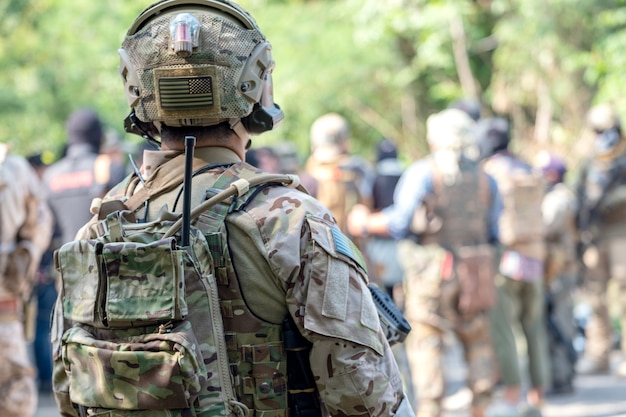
<point x="178" y="93"/>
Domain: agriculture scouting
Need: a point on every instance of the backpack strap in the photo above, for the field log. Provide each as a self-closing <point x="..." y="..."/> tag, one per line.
<point x="233" y="182"/>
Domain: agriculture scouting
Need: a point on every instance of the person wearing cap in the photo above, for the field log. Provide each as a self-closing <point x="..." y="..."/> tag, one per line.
<point x="601" y="219"/>
<point x="445" y="215"/>
<point x="559" y="219"/>
<point x="77" y="178"/>
<point x="342" y="179"/>
<point x="291" y="328"/>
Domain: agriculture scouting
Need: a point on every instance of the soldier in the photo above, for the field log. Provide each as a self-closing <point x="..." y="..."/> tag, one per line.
<point x="26" y="227"/>
<point x="382" y="250"/>
<point x="601" y="193"/>
<point x="342" y="180"/>
<point x="283" y="259"/>
<point x="80" y="175"/>
<point x="520" y="281"/>
<point x="559" y="217"/>
<point x="445" y="212"/>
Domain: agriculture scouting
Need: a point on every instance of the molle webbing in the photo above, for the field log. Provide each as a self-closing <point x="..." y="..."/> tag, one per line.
<point x="256" y="352"/>
<point x="463" y="207"/>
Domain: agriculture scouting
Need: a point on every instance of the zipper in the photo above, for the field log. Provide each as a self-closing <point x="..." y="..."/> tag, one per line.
<point x="222" y="358"/>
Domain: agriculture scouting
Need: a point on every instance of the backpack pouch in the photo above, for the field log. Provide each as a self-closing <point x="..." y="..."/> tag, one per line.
<point x="145" y="283"/>
<point x="79" y="264"/>
<point x="154" y="371"/>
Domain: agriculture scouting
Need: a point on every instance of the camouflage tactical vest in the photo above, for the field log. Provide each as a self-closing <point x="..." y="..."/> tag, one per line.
<point x="163" y="330"/>
<point x="462" y="207"/>
<point x="522" y="190"/>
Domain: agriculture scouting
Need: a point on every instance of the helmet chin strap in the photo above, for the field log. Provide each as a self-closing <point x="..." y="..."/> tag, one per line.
<point x="240" y="131"/>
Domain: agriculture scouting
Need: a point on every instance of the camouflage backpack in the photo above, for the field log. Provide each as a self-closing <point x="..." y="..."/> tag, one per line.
<point x="522" y="194"/>
<point x="148" y="336"/>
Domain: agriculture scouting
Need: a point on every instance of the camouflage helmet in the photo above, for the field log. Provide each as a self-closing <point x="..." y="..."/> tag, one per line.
<point x="197" y="63"/>
<point x="329" y="135"/>
<point x="603" y="117"/>
<point x="450" y="129"/>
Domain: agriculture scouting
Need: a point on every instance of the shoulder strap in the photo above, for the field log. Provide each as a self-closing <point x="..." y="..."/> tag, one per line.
<point x="234" y="186"/>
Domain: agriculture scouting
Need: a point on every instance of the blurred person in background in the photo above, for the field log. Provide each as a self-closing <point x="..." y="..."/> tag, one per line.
<point x="445" y="214"/>
<point x="25" y="230"/>
<point x="382" y="250"/>
<point x="80" y="175"/>
<point x="342" y="179"/>
<point x="601" y="220"/>
<point x="520" y="278"/>
<point x="45" y="294"/>
<point x="559" y="217"/>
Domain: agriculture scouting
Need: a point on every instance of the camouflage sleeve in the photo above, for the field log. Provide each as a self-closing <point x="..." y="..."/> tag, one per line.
<point x="353" y="365"/>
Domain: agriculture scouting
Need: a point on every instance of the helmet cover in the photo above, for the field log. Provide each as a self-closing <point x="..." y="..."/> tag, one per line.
<point x="329" y="136"/>
<point x="197" y="63"/>
<point x="603" y="117"/>
<point x="450" y="129"/>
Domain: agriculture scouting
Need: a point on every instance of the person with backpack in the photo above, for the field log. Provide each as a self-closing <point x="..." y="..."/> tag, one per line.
<point x="445" y="215"/>
<point x="204" y="286"/>
<point x="342" y="179"/>
<point x="520" y="277"/>
<point x="601" y="220"/>
<point x="25" y="232"/>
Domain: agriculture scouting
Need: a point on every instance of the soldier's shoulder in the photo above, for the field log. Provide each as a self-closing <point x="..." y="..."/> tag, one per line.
<point x="283" y="200"/>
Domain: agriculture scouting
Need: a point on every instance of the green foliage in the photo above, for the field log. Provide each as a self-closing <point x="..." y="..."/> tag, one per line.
<point x="384" y="64"/>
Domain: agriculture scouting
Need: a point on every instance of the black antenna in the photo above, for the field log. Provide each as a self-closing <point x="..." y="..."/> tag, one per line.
<point x="190" y="143"/>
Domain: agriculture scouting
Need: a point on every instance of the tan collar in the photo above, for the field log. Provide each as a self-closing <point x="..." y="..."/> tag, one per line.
<point x="211" y="155"/>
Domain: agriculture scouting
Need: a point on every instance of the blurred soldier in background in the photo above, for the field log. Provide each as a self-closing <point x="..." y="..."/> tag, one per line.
<point x="445" y="212"/>
<point x="601" y="193"/>
<point x="342" y="180"/>
<point x="45" y="294"/>
<point x="520" y="280"/>
<point x="25" y="230"/>
<point x="559" y="218"/>
<point x="79" y="176"/>
<point x="382" y="250"/>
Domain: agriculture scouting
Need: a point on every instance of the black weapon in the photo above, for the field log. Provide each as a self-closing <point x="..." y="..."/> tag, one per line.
<point x="190" y="143"/>
<point x="394" y="324"/>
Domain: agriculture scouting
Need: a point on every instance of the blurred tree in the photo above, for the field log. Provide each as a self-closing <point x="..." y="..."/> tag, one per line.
<point x="384" y="64"/>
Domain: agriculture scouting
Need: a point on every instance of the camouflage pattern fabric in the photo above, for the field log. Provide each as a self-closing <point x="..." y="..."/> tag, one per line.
<point x="274" y="253"/>
<point x="18" y="393"/>
<point x="432" y="291"/>
<point x="25" y="230"/>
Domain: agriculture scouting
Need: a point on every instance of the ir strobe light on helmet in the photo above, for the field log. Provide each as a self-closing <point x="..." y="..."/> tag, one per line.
<point x="184" y="32"/>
